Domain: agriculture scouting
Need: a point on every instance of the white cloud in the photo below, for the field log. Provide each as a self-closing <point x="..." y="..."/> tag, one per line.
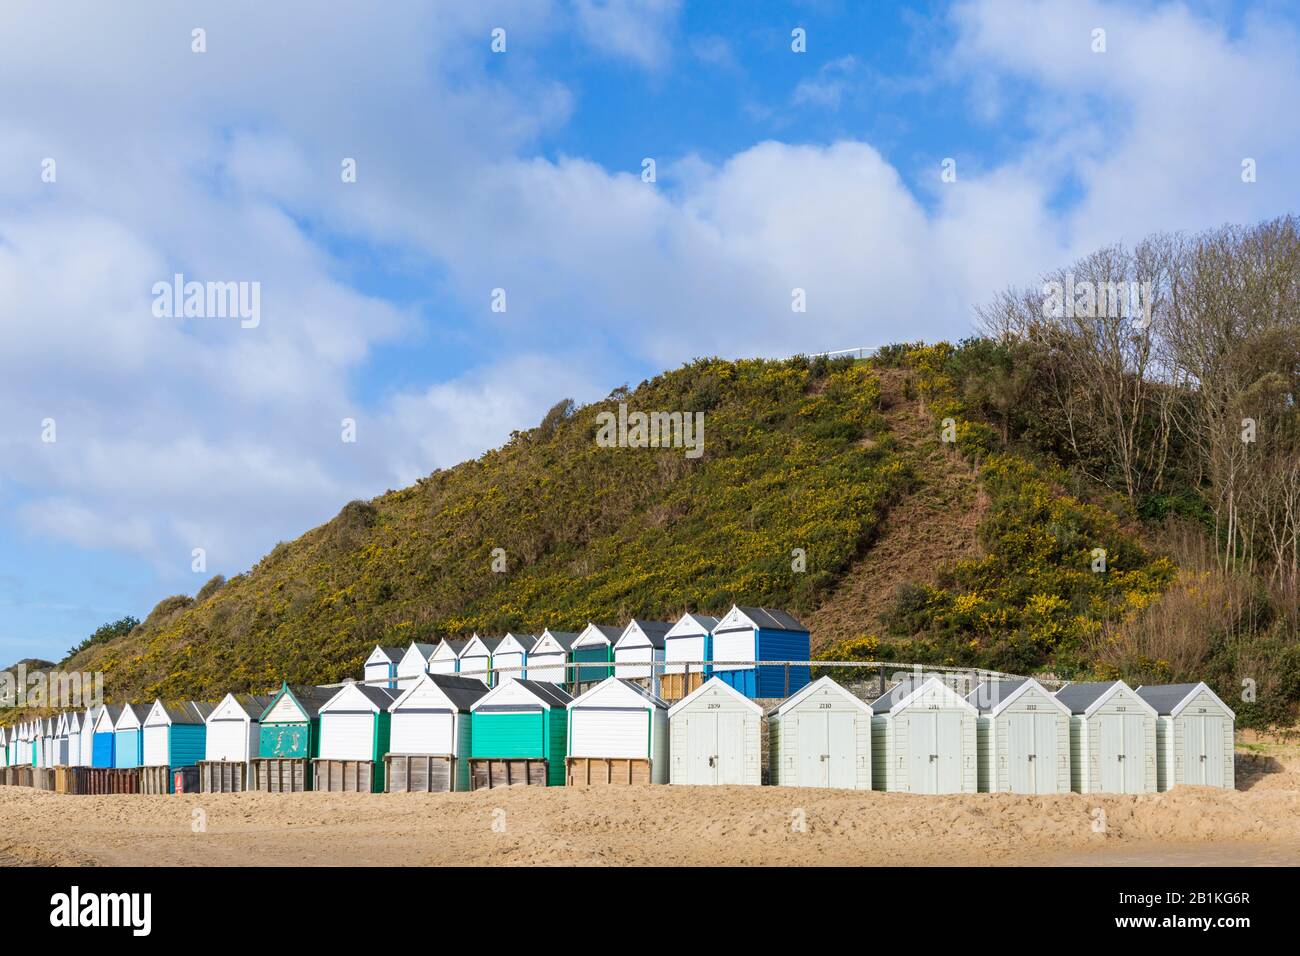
<point x="638" y="30"/>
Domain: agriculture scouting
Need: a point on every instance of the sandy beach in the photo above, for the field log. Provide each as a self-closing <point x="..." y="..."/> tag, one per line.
<point x="1257" y="824"/>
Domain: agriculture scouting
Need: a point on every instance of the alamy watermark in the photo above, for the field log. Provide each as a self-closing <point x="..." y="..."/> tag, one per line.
<point x="651" y="430"/>
<point x="67" y="689"/>
<point x="209" y="300"/>
<point x="1086" y="299"/>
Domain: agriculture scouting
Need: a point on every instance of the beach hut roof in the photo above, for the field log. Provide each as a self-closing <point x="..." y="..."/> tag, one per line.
<point x="794" y="700"/>
<point x="653" y="631"/>
<point x="992" y="697"/>
<point x="598" y="634"/>
<point x="1168" y="700"/>
<point x="477" y="643"/>
<point x="718" y="684"/>
<point x="548" y="695"/>
<point x="381" y="654"/>
<point x="564" y="638"/>
<point x="651" y="699"/>
<point x="463" y="692"/>
<point x="424" y="650"/>
<point x="379" y="698"/>
<point x="132" y="715"/>
<point x="901" y="695"/>
<point x="765" y="618"/>
<point x="252" y="705"/>
<point x="690" y="623"/>
<point x="181" y="711"/>
<point x="308" y="698"/>
<point x="455" y="645"/>
<point x="108" y="717"/>
<point x="525" y="641"/>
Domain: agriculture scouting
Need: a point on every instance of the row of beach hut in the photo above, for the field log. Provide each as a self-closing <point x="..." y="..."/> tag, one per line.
<point x="671" y="658"/>
<point x="445" y="732"/>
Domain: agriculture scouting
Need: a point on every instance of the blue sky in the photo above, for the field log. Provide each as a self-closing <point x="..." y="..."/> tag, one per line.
<point x="521" y="170"/>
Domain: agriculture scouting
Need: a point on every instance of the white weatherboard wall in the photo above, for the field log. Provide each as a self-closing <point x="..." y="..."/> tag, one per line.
<point x="347" y="726"/>
<point x="821" y="737"/>
<point x="716" y="737"/>
<point x="614" y="721"/>
<point x="231" y="732"/>
<point x="1024" y="747"/>
<point x="1113" y="745"/>
<point x="157" y="735"/>
<point x="926" y="743"/>
<point x="546" y="661"/>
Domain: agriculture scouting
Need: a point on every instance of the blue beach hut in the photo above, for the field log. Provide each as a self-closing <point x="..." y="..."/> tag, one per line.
<point x="761" y="634"/>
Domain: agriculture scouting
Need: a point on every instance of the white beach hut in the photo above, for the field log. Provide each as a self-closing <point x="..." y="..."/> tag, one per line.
<point x="1112" y="738"/>
<point x="923" y="739"/>
<point x="639" y="652"/>
<point x="511" y="656"/>
<point x="1023" y="737"/>
<point x="445" y="657"/>
<point x="547" y="659"/>
<point x="716" y="737"/>
<point x="687" y="646"/>
<point x="1194" y="736"/>
<point x="87" y="742"/>
<point x="414" y="662"/>
<point x="618" y="734"/>
<point x="4" y="746"/>
<point x="231" y="732"/>
<point x="74" y="719"/>
<point x="381" y="666"/>
<point x="476" y="658"/>
<point x="820" y="737"/>
<point x="429" y="743"/>
<point x="59" y="756"/>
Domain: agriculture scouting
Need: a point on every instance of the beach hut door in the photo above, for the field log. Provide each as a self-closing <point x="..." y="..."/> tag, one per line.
<point x="1203" y="743"/>
<point x="702" y="735"/>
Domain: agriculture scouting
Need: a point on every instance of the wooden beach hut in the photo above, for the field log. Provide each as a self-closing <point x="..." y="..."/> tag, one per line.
<point x="231" y="742"/>
<point x="476" y="658"/>
<point x="380" y="669"/>
<point x="445" y="658"/>
<point x="1112" y="738"/>
<point x="518" y="733"/>
<point x="74" y="719"/>
<point x="289" y="739"/>
<point x="820" y="737"/>
<point x="1023" y="737"/>
<point x="639" y="652"/>
<point x="102" y="747"/>
<point x="547" y="659"/>
<point x="429" y="744"/>
<point x="88" y="718"/>
<point x="59" y="752"/>
<point x="174" y="738"/>
<point x="618" y="734"/>
<point x="923" y="739"/>
<point x="354" y="737"/>
<point x="761" y="634"/>
<point x="414" y="662"/>
<point x="1194" y="736"/>
<point x="4" y="746"/>
<point x="717" y="737"/>
<point x="128" y="742"/>
<point x="511" y="656"/>
<point x="687" y="644"/>
<point x="594" y="647"/>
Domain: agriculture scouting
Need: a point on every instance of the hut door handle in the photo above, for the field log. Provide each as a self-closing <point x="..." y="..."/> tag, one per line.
<point x="713" y="761"/>
<point x="1032" y="756"/>
<point x="933" y="757"/>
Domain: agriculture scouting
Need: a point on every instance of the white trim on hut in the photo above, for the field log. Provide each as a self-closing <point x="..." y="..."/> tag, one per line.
<point x="475" y="659"/>
<point x="820" y="737"/>
<point x="1112" y="738"/>
<point x="1023" y="736"/>
<point x="432" y="718"/>
<point x="923" y="739"/>
<point x="1194" y="736"/>
<point x="618" y="720"/>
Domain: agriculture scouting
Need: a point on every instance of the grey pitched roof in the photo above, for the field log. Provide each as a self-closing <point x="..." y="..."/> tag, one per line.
<point x="394" y="654"/>
<point x="462" y="691"/>
<point x="564" y="638"/>
<point x="772" y="618"/>
<point x="457" y="645"/>
<point x="548" y="692"/>
<point x="310" y="698"/>
<point x="381" y="697"/>
<point x="1165" y="697"/>
<point x="203" y="708"/>
<point x="424" y="649"/>
<point x="886" y="701"/>
<point x="491" y="643"/>
<point x="526" y="641"/>
<point x="1079" y="697"/>
<point x="609" y="630"/>
<point x="654" y="630"/>
<point x="990" y="693"/>
<point x="114" y="712"/>
<point x="706" y="622"/>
